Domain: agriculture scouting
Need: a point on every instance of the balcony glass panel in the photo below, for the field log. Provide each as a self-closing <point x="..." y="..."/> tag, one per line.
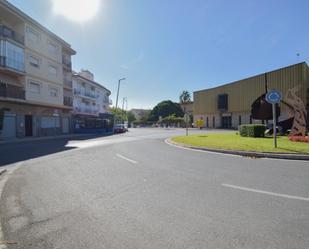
<point x="12" y="56"/>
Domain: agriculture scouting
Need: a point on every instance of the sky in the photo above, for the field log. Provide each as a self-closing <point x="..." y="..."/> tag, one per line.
<point x="165" y="46"/>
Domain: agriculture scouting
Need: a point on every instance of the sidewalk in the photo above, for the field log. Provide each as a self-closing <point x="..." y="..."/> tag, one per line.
<point x="67" y="136"/>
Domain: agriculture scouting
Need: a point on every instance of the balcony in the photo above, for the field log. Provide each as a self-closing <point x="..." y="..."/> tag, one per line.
<point x="90" y="95"/>
<point x="86" y="110"/>
<point x="84" y="93"/>
<point x="11" y="91"/>
<point x="8" y="33"/>
<point x="12" y="65"/>
<point x="67" y="83"/>
<point x="67" y="62"/>
<point x="68" y="101"/>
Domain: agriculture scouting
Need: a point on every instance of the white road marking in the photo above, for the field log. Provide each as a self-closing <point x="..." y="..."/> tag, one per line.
<point x="266" y="192"/>
<point x="127" y="159"/>
<point x="202" y="151"/>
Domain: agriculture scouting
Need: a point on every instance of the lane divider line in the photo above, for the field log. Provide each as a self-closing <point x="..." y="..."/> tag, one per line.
<point x="300" y="198"/>
<point x="125" y="158"/>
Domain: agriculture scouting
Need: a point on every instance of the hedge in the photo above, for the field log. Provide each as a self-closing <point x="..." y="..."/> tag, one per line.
<point x="252" y="130"/>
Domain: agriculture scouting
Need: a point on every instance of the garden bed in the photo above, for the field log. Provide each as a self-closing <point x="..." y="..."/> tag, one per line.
<point x="233" y="141"/>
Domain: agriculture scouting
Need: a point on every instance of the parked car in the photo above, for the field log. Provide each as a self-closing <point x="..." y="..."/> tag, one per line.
<point x="119" y="128"/>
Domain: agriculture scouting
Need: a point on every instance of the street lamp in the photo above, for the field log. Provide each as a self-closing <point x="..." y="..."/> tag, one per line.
<point x="124" y="100"/>
<point x="119" y="81"/>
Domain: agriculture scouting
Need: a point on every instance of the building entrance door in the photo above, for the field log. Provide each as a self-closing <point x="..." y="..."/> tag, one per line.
<point x="227" y="122"/>
<point x="28" y="126"/>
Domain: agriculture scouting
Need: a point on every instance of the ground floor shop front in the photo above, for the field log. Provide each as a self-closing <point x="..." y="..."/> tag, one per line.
<point x="23" y="120"/>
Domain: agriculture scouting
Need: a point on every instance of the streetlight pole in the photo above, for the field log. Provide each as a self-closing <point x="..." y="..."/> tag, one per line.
<point x="119" y="81"/>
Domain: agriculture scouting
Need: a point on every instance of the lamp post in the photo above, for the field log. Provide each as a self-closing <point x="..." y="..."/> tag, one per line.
<point x="123" y="111"/>
<point x="119" y="81"/>
<point x="123" y="100"/>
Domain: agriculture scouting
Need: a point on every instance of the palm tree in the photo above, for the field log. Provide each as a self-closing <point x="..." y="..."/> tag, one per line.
<point x="185" y="97"/>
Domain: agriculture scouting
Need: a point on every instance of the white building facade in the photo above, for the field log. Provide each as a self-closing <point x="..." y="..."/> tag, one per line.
<point x="90" y="103"/>
<point x="89" y="97"/>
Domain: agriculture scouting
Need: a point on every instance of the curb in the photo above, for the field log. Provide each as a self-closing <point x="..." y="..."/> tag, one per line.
<point x="25" y="140"/>
<point x="253" y="154"/>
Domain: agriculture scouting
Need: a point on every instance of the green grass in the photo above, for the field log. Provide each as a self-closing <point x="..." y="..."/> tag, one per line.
<point x="233" y="141"/>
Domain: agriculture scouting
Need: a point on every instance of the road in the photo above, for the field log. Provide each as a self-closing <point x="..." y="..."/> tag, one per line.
<point x="135" y="191"/>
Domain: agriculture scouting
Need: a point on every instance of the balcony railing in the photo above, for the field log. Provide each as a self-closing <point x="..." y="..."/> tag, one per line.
<point x="87" y="110"/>
<point x="11" y="91"/>
<point x="68" y="101"/>
<point x="67" y="83"/>
<point x="12" y="64"/>
<point x="6" y="32"/>
<point x="66" y="61"/>
<point x="90" y="95"/>
<point x="86" y="94"/>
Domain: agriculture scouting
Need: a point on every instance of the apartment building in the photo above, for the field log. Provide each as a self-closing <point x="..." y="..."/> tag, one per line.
<point x="90" y="104"/>
<point x="35" y="77"/>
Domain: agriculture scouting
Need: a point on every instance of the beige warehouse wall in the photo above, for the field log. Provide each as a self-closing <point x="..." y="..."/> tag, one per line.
<point x="242" y="93"/>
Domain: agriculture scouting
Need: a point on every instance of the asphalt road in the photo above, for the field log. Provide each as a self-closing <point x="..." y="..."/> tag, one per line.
<point x="135" y="191"/>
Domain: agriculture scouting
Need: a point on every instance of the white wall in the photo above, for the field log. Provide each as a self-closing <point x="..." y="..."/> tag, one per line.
<point x="101" y="100"/>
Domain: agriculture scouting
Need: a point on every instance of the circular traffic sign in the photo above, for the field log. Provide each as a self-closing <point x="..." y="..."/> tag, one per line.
<point x="273" y="97"/>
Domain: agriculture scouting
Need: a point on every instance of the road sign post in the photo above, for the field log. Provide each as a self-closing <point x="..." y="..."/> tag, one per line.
<point x="187" y="120"/>
<point x="274" y="97"/>
<point x="274" y="125"/>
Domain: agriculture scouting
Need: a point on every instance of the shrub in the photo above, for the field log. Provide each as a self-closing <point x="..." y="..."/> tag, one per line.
<point x="252" y="130"/>
<point x="299" y="139"/>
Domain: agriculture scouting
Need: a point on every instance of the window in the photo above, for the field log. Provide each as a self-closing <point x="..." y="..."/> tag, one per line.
<point x="223" y="102"/>
<point x="239" y="120"/>
<point x="52" y="69"/>
<point x="53" y="92"/>
<point x="35" y="87"/>
<point x="33" y="35"/>
<point x="207" y="122"/>
<point x="213" y="122"/>
<point x="52" y="48"/>
<point x="34" y="61"/>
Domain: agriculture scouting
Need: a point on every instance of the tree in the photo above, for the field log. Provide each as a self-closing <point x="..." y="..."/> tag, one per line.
<point x="185" y="97"/>
<point x="172" y="120"/>
<point x="119" y="114"/>
<point x="131" y="117"/>
<point x="164" y="109"/>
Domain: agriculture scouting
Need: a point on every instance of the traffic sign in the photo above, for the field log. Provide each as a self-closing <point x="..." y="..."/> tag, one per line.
<point x="273" y="97"/>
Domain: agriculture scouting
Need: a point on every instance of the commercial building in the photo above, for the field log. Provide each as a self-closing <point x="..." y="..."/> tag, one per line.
<point x="243" y="101"/>
<point x="35" y="77"/>
<point x="90" y="104"/>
